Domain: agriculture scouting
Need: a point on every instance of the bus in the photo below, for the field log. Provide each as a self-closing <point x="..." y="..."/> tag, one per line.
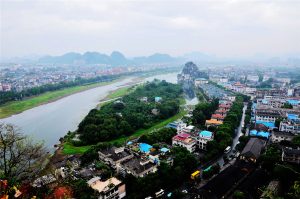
<point x="195" y="175"/>
<point x="227" y="150"/>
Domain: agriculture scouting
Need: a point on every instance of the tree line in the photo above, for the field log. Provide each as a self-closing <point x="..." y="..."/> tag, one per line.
<point x="14" y="95"/>
<point x="203" y="112"/>
<point x="225" y="132"/>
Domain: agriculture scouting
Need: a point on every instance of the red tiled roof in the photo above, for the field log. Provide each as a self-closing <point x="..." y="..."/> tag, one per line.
<point x="224" y="106"/>
<point x="219" y="116"/>
<point x="181" y="136"/>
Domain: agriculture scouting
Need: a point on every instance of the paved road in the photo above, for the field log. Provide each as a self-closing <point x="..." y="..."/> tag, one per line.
<point x="235" y="139"/>
<point x="220" y="160"/>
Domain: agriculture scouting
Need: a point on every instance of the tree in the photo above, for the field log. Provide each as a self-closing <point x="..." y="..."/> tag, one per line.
<point x="239" y="195"/>
<point x="287" y="105"/>
<point x="20" y="158"/>
<point x="296" y="140"/>
<point x="277" y="122"/>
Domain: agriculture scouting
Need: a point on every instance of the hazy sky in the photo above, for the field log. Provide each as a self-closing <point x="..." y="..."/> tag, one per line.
<point x="223" y="28"/>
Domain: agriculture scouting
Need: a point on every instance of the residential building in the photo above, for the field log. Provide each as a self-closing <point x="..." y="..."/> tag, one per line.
<point x="213" y="122"/>
<point x="137" y="166"/>
<point x="184" y="140"/>
<point x="109" y="189"/>
<point x="274" y="103"/>
<point x="290" y="124"/>
<point x="252" y="150"/>
<point x="221" y="112"/>
<point x="278" y="136"/>
<point x="218" y="117"/>
<point x="291" y="155"/>
<point x="268" y="115"/>
<point x="202" y="139"/>
<point x="113" y="156"/>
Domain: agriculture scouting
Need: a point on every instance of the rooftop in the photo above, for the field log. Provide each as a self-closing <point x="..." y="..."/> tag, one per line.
<point x="145" y="148"/>
<point x="267" y="124"/>
<point x="214" y="121"/>
<point x="115" y="153"/>
<point x="253" y="148"/>
<point x="207" y="134"/>
<point x="135" y="165"/>
<point x="96" y="184"/>
<point x="259" y="133"/>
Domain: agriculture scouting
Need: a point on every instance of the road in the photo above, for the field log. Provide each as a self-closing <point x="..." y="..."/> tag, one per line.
<point x="220" y="160"/>
<point x="235" y="140"/>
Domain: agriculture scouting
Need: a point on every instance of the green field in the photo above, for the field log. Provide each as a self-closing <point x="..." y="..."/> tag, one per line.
<point x="70" y="149"/>
<point x="116" y="94"/>
<point x="15" y="107"/>
<point x="119" y="92"/>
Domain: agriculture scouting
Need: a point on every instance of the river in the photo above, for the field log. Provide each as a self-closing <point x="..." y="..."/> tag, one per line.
<point x="51" y="121"/>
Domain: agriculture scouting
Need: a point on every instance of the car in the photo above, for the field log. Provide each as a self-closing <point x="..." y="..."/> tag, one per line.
<point x="184" y="191"/>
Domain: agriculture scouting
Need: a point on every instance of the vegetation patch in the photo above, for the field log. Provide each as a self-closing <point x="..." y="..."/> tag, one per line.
<point x="69" y="149"/>
<point x="149" y="106"/>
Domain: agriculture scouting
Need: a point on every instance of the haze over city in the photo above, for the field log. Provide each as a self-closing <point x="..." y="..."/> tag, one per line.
<point x="136" y="28"/>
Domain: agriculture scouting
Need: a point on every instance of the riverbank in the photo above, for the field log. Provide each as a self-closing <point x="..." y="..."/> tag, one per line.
<point x="16" y="107"/>
<point x="69" y="149"/>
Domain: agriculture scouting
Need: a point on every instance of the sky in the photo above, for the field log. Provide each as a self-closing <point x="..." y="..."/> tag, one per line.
<point x="223" y="28"/>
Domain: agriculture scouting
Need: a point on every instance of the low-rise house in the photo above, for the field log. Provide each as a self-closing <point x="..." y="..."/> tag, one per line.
<point x="138" y="167"/>
<point x="187" y="129"/>
<point x="218" y="117"/>
<point x="291" y="155"/>
<point x="221" y="112"/>
<point x="213" y="122"/>
<point x="291" y="124"/>
<point x="252" y="150"/>
<point x="113" y="156"/>
<point x="202" y="139"/>
<point x="44" y="180"/>
<point x="225" y="107"/>
<point x="274" y="103"/>
<point x="184" y="140"/>
<point x="109" y="189"/>
<point x="278" y="136"/>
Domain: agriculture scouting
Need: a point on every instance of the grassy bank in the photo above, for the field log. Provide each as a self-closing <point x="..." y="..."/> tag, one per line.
<point x="15" y="107"/>
<point x="70" y="149"/>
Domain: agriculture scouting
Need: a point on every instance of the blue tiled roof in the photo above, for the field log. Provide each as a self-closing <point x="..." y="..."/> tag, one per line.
<point x="205" y="133"/>
<point x="145" y="148"/>
<point x="259" y="134"/>
<point x="293" y="102"/>
<point x="267" y="124"/>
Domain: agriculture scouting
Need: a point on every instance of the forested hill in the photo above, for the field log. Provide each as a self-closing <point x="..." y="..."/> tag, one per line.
<point x="141" y="108"/>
